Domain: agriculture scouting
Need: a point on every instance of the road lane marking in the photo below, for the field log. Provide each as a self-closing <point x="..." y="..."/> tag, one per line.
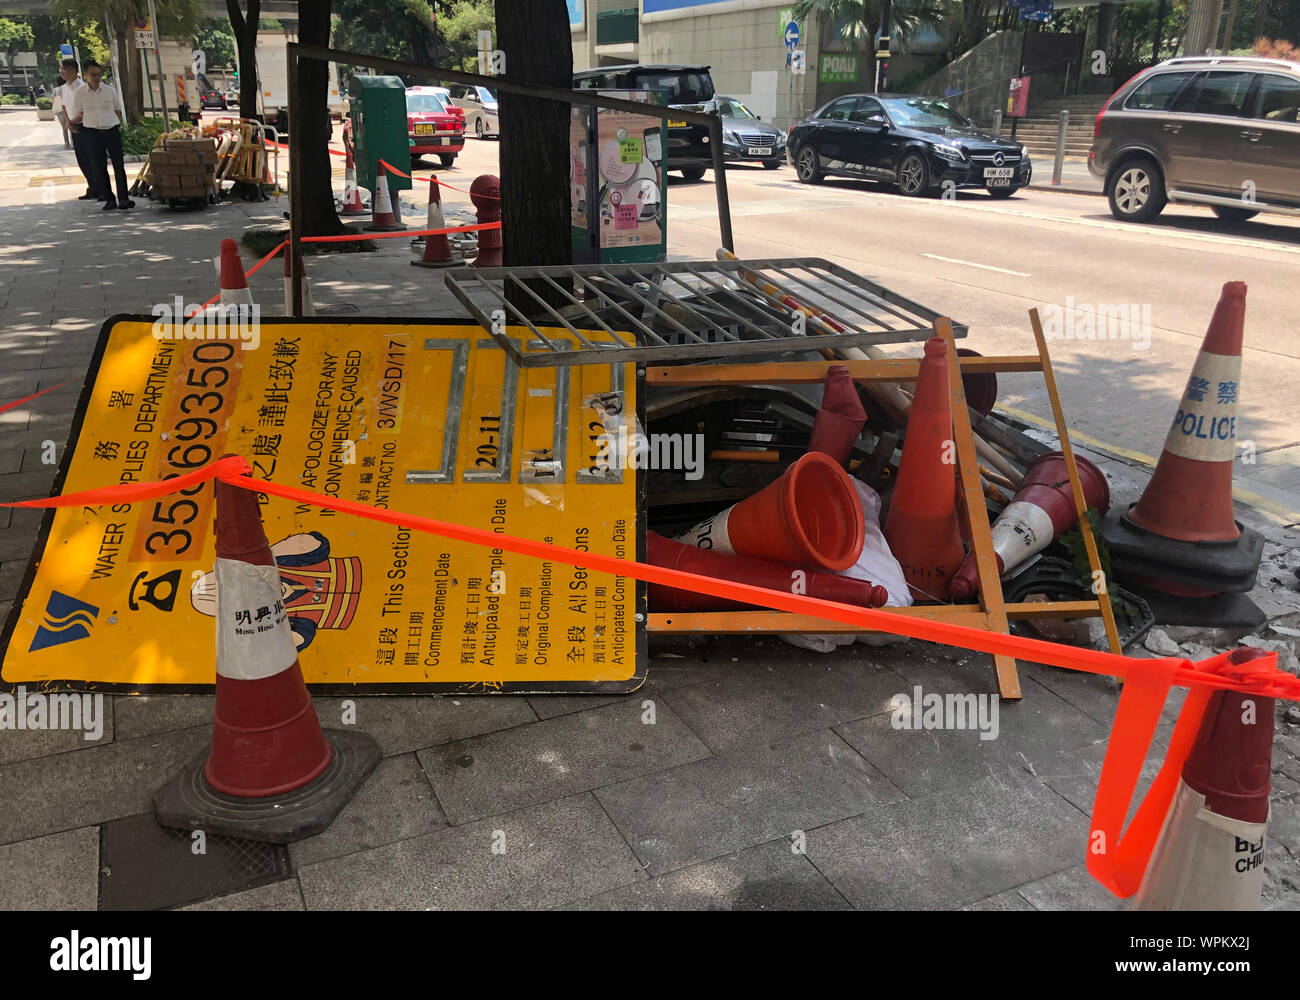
<point x="983" y="267"/>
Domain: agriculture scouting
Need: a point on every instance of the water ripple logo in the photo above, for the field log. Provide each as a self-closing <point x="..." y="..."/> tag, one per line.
<point x="66" y="620"/>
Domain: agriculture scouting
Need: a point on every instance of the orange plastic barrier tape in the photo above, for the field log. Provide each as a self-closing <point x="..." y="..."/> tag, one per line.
<point x="1116" y="859"/>
<point x="27" y="399"/>
<point x="432" y="180"/>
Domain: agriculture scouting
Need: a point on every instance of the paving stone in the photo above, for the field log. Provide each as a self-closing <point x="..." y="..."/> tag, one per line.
<point x="403" y="724"/>
<point x="68" y="790"/>
<point x="27" y="744"/>
<point x="572" y="753"/>
<point x="280" y="897"/>
<point x="772" y="702"/>
<point x="58" y="872"/>
<point x="1074" y="774"/>
<point x="921" y="761"/>
<point x="144" y="715"/>
<point x="1001" y="902"/>
<point x="750" y="796"/>
<point x="952" y="848"/>
<point x="1072" y="889"/>
<point x="396" y="803"/>
<point x="554" y="853"/>
<point x="767" y="877"/>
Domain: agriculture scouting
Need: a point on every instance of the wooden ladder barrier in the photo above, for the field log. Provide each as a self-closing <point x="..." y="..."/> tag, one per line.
<point x="991" y="612"/>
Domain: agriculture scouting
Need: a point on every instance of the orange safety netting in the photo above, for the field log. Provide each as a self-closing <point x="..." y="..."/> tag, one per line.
<point x="1118" y="862"/>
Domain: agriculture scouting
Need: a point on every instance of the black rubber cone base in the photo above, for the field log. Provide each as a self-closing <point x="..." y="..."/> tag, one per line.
<point x="437" y="263"/>
<point x="188" y="802"/>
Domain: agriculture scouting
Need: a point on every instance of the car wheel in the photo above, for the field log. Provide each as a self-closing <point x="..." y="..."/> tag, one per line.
<point x="771" y="164"/>
<point x="1234" y="215"/>
<point x="478" y="128"/>
<point x="1136" y="191"/>
<point x="808" y="167"/>
<point x="913" y="175"/>
<point x="693" y="173"/>
<point x="446" y="159"/>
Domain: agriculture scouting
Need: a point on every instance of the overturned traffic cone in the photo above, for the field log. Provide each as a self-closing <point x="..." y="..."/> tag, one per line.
<point x="437" y="251"/>
<point x="922" y="527"/>
<point x="661" y="551"/>
<point x="840" y="420"/>
<point x="351" y="193"/>
<point x="1181" y="536"/>
<point x="382" y="218"/>
<point x="1210" y="853"/>
<point x="811" y="516"/>
<point x="1041" y="510"/>
<point x="485" y="193"/>
<point x="308" y="308"/>
<point x="271" y="774"/>
<point x="234" y="284"/>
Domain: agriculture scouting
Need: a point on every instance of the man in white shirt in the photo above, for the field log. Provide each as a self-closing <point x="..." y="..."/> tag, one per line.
<point x="71" y="84"/>
<point x="95" y="107"/>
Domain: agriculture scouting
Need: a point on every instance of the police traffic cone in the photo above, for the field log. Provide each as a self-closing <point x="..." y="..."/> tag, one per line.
<point x="351" y="193"/>
<point x="811" y="516"/>
<point x="308" y="308"/>
<point x="382" y="218"/>
<point x="922" y="527"/>
<point x="1041" y="510"/>
<point x="661" y="551"/>
<point x="437" y="251"/>
<point x="840" y="420"/>
<point x="1181" y="536"/>
<point x="485" y="193"/>
<point x="272" y="774"/>
<point x="1210" y="854"/>
<point x="234" y="285"/>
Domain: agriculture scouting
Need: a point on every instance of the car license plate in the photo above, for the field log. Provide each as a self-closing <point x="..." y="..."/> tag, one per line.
<point x="998" y="172"/>
<point x="760" y="150"/>
<point x="998" y="182"/>
<point x="425" y="129"/>
<point x="673" y="123"/>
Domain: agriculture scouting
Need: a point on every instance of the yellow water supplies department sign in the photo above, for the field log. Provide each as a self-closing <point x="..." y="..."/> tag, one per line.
<point x="431" y="419"/>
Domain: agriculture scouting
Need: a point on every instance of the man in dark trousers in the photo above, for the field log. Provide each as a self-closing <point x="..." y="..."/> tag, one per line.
<point x="71" y="84"/>
<point x="96" y="108"/>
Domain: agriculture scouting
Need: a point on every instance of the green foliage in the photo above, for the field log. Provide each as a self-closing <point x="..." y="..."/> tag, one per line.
<point x="15" y="36"/>
<point x="44" y="104"/>
<point x="139" y="137"/>
<point x="217" y="41"/>
<point x="460" y="28"/>
<point x="1073" y="543"/>
<point x="13" y="99"/>
<point x="398" y="29"/>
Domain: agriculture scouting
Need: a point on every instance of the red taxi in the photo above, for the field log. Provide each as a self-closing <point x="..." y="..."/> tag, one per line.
<point x="434" y="124"/>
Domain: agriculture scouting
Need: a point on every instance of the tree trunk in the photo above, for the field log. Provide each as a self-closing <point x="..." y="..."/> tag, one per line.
<point x="1202" y="26"/>
<point x="1228" y="26"/>
<point x="245" y="30"/>
<point x="1261" y="16"/>
<point x="134" y="91"/>
<point x="130" y="98"/>
<point x="534" y="155"/>
<point x="310" y="126"/>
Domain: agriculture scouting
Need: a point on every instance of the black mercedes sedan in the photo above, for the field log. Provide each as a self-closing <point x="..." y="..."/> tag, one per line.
<point x="745" y="136"/>
<point x="918" y="144"/>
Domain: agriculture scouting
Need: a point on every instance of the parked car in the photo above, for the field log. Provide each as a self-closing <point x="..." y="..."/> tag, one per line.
<point x="433" y="124"/>
<point x="745" y="136"/>
<point x="210" y="97"/>
<point x="689" y="88"/>
<point x="232" y="98"/>
<point x="1222" y="131"/>
<point x="480" y="107"/>
<point x="918" y="144"/>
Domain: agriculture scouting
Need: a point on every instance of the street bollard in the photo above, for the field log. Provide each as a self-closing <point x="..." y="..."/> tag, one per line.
<point x="485" y="193"/>
<point x="1060" y="147"/>
<point x="997" y="122"/>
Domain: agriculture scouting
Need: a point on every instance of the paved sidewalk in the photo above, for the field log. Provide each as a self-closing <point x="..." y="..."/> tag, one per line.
<point x="771" y="777"/>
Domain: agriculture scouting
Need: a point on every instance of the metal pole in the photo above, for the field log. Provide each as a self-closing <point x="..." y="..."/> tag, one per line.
<point x="1060" y="147"/>
<point x="997" y="122"/>
<point x="162" y="81"/>
<point x="883" y="36"/>
<point x="295" y="189"/>
<point x="720" y="183"/>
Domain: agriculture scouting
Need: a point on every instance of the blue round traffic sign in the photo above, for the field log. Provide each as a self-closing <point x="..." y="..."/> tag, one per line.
<point x="791" y="35"/>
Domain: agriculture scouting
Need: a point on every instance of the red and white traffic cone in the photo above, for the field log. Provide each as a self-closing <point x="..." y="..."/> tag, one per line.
<point x="234" y="284"/>
<point x="437" y="250"/>
<point x="1210" y="854"/>
<point x="308" y="308"/>
<point x="272" y="773"/>
<point x="485" y="193"/>
<point x="382" y="218"/>
<point x="351" y="193"/>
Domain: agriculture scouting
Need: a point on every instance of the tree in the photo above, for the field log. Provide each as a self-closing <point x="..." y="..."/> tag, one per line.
<point x="460" y="30"/>
<point x="534" y="155"/>
<point x="397" y="29"/>
<point x="244" y="25"/>
<point x="14" y="38"/>
<point x="310" y="126"/>
<point x="859" y="21"/>
<point x="217" y="42"/>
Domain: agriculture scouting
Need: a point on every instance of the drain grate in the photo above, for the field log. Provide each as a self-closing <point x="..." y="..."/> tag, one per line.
<point x="144" y="866"/>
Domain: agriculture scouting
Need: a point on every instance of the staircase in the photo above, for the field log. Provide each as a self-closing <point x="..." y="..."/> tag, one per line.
<point x="1038" y="130"/>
